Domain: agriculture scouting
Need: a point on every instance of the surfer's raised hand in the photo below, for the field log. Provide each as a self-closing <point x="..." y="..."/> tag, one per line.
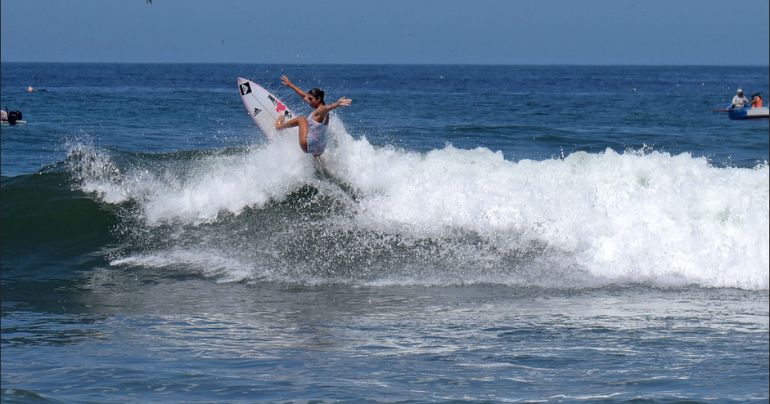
<point x="291" y="85"/>
<point x="344" y="102"/>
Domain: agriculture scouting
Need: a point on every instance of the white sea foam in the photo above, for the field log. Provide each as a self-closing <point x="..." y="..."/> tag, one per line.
<point x="207" y="262"/>
<point x="630" y="217"/>
<point x="210" y="185"/>
<point x="229" y="184"/>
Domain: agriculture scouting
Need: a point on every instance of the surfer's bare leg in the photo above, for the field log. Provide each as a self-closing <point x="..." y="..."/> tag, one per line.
<point x="299" y="121"/>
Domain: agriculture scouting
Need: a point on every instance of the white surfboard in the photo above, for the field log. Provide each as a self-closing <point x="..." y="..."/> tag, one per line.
<point x="264" y="108"/>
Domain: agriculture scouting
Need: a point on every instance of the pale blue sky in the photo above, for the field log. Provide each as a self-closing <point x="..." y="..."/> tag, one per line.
<point x="395" y="31"/>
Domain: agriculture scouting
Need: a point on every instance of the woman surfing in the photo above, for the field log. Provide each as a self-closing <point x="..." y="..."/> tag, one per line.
<point x="313" y="128"/>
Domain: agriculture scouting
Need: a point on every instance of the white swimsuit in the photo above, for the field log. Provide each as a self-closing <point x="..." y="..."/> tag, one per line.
<point x="316" y="135"/>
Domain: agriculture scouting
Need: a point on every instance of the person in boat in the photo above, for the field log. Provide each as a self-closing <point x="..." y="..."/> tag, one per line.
<point x="739" y="101"/>
<point x="756" y="100"/>
<point x="313" y="128"/>
<point x="12" y="117"/>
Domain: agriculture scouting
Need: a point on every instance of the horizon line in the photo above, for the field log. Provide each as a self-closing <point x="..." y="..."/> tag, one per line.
<point x="394" y="64"/>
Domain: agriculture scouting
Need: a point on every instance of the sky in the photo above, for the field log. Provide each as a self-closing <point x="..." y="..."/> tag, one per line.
<point x="583" y="32"/>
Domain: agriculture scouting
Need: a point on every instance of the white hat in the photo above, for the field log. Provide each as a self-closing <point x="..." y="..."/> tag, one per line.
<point x="740" y="90"/>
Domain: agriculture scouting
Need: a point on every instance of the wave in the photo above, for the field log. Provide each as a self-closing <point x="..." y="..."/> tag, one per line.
<point x="383" y="215"/>
<point x="45" y="224"/>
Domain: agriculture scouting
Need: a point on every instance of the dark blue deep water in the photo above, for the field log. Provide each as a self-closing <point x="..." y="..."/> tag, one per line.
<point x="472" y="234"/>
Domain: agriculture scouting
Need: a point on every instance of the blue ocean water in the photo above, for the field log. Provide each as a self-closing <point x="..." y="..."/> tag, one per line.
<point x="475" y="234"/>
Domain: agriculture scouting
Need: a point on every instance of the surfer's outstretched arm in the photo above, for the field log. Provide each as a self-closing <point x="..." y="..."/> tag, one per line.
<point x="342" y="102"/>
<point x="293" y="86"/>
<point x="322" y="110"/>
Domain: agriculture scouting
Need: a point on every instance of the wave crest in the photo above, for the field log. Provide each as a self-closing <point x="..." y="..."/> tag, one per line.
<point x="609" y="217"/>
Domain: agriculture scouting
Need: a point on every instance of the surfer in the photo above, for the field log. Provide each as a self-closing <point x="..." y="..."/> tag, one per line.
<point x="313" y="128"/>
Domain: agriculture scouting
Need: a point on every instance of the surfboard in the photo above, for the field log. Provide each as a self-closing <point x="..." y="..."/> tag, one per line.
<point x="264" y="108"/>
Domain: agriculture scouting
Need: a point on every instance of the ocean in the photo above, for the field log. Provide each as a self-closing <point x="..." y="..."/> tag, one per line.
<point x="472" y="234"/>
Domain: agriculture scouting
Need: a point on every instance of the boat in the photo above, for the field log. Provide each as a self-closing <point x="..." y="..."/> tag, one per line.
<point x="747" y="113"/>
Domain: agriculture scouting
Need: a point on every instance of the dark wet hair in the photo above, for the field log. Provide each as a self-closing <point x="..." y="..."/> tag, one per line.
<point x="318" y="94"/>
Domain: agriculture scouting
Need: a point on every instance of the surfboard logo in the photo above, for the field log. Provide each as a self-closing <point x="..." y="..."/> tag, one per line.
<point x="256" y="111"/>
<point x="272" y="99"/>
<point x="245" y="88"/>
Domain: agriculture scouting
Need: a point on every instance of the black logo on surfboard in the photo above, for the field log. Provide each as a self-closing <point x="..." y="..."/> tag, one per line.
<point x="257" y="111"/>
<point x="245" y="88"/>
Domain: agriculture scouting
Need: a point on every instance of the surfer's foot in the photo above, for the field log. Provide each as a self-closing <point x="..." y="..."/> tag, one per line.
<point x="279" y="122"/>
